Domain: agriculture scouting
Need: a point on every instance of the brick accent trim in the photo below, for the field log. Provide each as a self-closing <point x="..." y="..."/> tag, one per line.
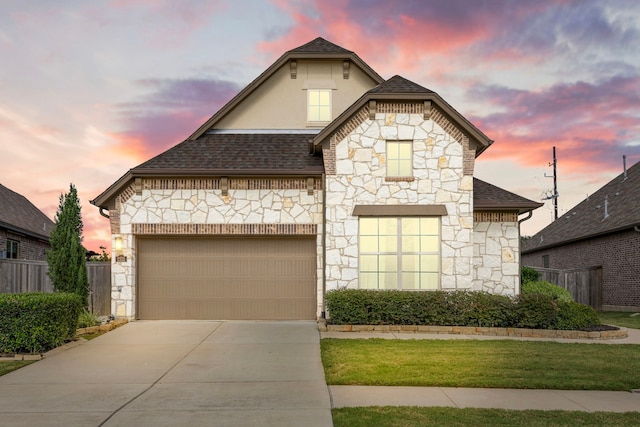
<point x="354" y="122"/>
<point x="234" y="184"/>
<point x="225" y="229"/>
<point x="495" y="217"/>
<point x="126" y="194"/>
<point x="329" y="157"/>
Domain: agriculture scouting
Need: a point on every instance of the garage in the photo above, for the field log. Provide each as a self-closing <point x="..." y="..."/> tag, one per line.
<point x="256" y="278"/>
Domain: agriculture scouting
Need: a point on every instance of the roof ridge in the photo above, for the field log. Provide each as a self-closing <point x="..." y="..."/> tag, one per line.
<point x="319" y="45"/>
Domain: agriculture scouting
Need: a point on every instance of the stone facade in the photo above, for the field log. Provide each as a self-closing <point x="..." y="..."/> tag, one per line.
<point x="438" y="179"/>
<point x="496" y="251"/>
<point x="198" y="207"/>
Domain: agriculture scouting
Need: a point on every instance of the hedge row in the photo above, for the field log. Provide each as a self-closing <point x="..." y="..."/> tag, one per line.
<point x="458" y="308"/>
<point x="37" y="322"/>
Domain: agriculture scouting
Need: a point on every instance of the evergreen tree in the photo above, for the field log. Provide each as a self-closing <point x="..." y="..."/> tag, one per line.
<point x="67" y="257"/>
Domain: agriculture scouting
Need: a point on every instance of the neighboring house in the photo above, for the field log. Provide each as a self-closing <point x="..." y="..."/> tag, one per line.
<point x="318" y="175"/>
<point x="603" y="230"/>
<point x="24" y="229"/>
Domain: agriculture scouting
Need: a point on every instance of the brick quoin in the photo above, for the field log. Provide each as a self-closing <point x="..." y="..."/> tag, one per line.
<point x="617" y="253"/>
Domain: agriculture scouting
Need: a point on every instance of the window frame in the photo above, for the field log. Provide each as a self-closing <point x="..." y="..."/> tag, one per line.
<point x="395" y="159"/>
<point x="319" y="105"/>
<point x="403" y="275"/>
<point x="13" y="248"/>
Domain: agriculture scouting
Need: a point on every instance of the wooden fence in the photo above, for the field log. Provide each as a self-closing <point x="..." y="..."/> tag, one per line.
<point x="20" y="276"/>
<point x="585" y="284"/>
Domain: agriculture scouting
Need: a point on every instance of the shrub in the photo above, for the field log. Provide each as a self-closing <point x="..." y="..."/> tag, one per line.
<point x="37" y="322"/>
<point x="87" y="319"/>
<point x="535" y="311"/>
<point x="457" y="308"/>
<point x="463" y="308"/>
<point x="548" y="289"/>
<point x="528" y="274"/>
<point x="576" y="316"/>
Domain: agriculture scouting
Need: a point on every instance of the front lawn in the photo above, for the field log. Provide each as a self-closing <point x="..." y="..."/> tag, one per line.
<point x="470" y="363"/>
<point x="620" y="318"/>
<point x="412" y="416"/>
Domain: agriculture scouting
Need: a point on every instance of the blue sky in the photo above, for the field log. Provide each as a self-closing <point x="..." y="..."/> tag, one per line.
<point x="92" y="89"/>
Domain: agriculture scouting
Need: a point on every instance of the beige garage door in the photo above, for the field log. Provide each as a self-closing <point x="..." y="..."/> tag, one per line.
<point x="226" y="278"/>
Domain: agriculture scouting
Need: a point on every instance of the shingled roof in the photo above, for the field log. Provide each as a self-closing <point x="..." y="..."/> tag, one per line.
<point x="319" y="45"/>
<point x="614" y="207"/>
<point x="20" y="215"/>
<point x="246" y="153"/>
<point x="488" y="197"/>
<point x="398" y="84"/>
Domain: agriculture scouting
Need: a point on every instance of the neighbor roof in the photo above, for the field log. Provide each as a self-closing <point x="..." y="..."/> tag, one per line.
<point x="318" y="48"/>
<point x="219" y="154"/>
<point x="488" y="197"/>
<point x="398" y="88"/>
<point x="619" y="199"/>
<point x="19" y="215"/>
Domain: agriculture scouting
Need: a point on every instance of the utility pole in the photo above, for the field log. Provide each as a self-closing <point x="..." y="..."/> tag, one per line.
<point x="554" y="195"/>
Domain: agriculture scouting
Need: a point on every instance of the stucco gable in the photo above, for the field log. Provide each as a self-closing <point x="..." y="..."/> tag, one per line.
<point x="318" y="49"/>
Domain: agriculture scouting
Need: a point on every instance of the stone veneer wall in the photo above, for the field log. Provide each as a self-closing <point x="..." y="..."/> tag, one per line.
<point x="359" y="177"/>
<point x="496" y="252"/>
<point x="198" y="207"/>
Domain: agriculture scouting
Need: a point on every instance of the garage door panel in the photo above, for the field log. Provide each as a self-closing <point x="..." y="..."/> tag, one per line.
<point x="219" y="278"/>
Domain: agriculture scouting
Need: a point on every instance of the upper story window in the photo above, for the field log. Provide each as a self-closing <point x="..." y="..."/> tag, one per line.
<point x="399" y="159"/>
<point x="12" y="249"/>
<point x="319" y="105"/>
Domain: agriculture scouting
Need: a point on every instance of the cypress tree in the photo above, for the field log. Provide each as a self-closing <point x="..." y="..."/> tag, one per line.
<point x="67" y="256"/>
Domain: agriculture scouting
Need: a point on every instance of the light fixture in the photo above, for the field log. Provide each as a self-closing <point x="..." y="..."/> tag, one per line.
<point x="118" y="244"/>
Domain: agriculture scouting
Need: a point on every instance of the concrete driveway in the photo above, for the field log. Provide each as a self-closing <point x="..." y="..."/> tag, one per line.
<point x="177" y="373"/>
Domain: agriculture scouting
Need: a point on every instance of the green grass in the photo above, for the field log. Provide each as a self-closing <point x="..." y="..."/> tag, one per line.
<point x="412" y="416"/>
<point x="492" y="364"/>
<point x="6" y="367"/>
<point x="620" y="318"/>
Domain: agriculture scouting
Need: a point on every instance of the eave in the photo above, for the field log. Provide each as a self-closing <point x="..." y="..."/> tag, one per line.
<point x="579" y="239"/>
<point x="24" y="232"/>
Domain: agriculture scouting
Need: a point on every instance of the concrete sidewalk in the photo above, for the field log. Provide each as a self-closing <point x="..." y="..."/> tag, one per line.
<point x="568" y="400"/>
<point x="632" y="338"/>
<point x="176" y="373"/>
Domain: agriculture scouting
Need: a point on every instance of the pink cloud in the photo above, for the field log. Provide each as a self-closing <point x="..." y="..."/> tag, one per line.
<point x="589" y="123"/>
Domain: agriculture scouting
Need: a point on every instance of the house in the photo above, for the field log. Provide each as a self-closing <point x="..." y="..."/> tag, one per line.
<point x="318" y="175"/>
<point x="24" y="229"/>
<point x="603" y="230"/>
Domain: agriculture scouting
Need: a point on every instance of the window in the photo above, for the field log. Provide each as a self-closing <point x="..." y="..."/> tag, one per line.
<point x="545" y="261"/>
<point x="12" y="249"/>
<point x="399" y="159"/>
<point x="400" y="253"/>
<point x="319" y="105"/>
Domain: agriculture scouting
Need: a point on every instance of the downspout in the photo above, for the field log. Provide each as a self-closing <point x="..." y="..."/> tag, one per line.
<point x="520" y="221"/>
<point x="636" y="228"/>
<point x="102" y="213"/>
<point x="323" y="314"/>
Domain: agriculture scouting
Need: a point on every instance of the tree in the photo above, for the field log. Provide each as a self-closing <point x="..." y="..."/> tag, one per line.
<point x="67" y="257"/>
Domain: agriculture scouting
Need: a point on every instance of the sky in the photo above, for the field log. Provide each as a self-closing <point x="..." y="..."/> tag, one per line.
<point x="89" y="90"/>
